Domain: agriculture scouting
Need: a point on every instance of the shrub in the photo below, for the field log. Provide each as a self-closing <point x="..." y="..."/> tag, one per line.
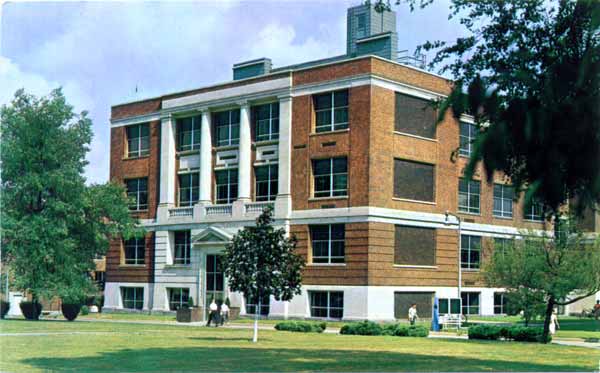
<point x="514" y="332"/>
<point x="526" y="334"/>
<point x="418" y="331"/>
<point x="100" y="301"/>
<point x="362" y="328"/>
<point x="190" y="302"/>
<point x="301" y="326"/>
<point x="484" y="331"/>
<point x="4" y="307"/>
<point x="403" y="330"/>
<point x="85" y="310"/>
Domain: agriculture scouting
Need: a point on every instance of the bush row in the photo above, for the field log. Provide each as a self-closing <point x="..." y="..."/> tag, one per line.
<point x="373" y="328"/>
<point x="301" y="326"/>
<point x="515" y="333"/>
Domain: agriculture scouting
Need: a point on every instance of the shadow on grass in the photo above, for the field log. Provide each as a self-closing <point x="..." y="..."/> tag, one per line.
<point x="254" y="358"/>
<point x="227" y="339"/>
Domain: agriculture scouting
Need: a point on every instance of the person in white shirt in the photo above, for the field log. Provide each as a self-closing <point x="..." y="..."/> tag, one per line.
<point x="213" y="313"/>
<point x="412" y="314"/>
<point x="554" y="322"/>
<point x="224" y="313"/>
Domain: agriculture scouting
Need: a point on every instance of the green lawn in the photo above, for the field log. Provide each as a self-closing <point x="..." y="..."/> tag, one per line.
<point x="570" y="326"/>
<point x="131" y="347"/>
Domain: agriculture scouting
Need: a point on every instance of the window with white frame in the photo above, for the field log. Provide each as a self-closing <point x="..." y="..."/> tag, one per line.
<point x="178" y="298"/>
<point x="252" y="305"/>
<point x="469" y="194"/>
<point x="266" y="122"/>
<point x="189" y="188"/>
<point x="188" y="133"/>
<point x="226" y="185"/>
<point x="330" y="177"/>
<point x="470" y="303"/>
<point x="503" y="200"/>
<point x="134" y="251"/>
<point x="331" y="111"/>
<point x="133" y="298"/>
<point x="328" y="243"/>
<point x="326" y="304"/>
<point x="534" y="211"/>
<point x="137" y="191"/>
<point x="266" y="182"/>
<point x="468" y="131"/>
<point x="227" y="127"/>
<point x="449" y="306"/>
<point x="500" y="304"/>
<point x="138" y="140"/>
<point x="470" y="251"/>
<point x="183" y="246"/>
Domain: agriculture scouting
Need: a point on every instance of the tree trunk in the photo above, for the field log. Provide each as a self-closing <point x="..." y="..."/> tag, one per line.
<point x="549" y="310"/>
<point x="256" y="314"/>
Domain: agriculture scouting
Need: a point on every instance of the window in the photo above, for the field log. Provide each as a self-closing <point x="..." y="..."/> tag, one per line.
<point x="503" y="200"/>
<point x="215" y="279"/>
<point x="468" y="196"/>
<point x="189" y="189"/>
<point x="227" y="127"/>
<point x="183" y="246"/>
<point x="501" y="244"/>
<point x="327" y="243"/>
<point x="135" y="249"/>
<point x="133" y="298"/>
<point x="414" y="246"/>
<point x="470" y="251"/>
<point x="499" y="304"/>
<point x="470" y="303"/>
<point x="331" y="110"/>
<point x="266" y="182"/>
<point x="137" y="191"/>
<point x="330" y="177"/>
<point x="178" y="298"/>
<point x="414" y="180"/>
<point x="361" y="25"/>
<point x="404" y="300"/>
<point x="188" y="133"/>
<point x="267" y="122"/>
<point x="449" y="306"/>
<point x="534" y="211"/>
<point x="414" y="116"/>
<point x="138" y="140"/>
<point x="328" y="304"/>
<point x="468" y="132"/>
<point x="227" y="185"/>
<point x="252" y="305"/>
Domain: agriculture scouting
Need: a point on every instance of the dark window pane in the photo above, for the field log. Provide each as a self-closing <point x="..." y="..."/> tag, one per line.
<point x="414" y="246"/>
<point x="414" y="116"/>
<point x="413" y="180"/>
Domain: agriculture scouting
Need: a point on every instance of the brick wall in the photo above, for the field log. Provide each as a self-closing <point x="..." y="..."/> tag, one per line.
<point x="118" y="272"/>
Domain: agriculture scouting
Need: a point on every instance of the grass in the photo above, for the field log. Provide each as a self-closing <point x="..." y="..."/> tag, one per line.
<point x="101" y="346"/>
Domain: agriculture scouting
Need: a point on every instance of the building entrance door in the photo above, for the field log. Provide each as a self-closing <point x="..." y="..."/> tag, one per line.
<point x="215" y="280"/>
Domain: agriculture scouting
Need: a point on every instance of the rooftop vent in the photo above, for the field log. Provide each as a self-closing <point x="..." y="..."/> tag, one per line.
<point x="251" y="68"/>
<point x="371" y="32"/>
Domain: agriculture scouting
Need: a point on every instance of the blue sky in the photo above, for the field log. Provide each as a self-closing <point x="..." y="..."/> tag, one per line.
<point x="99" y="52"/>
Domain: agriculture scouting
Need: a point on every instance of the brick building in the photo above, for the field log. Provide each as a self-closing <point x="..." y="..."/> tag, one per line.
<point x="348" y="152"/>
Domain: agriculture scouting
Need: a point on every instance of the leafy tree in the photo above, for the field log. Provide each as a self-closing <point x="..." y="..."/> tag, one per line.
<point x="530" y="302"/>
<point x="260" y="262"/>
<point x="541" y="268"/>
<point x="53" y="224"/>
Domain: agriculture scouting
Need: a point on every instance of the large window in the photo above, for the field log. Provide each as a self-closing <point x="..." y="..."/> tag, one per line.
<point x="449" y="306"/>
<point x="227" y="185"/>
<point x="328" y="304"/>
<point x="189" y="188"/>
<point x="331" y="110"/>
<point x="267" y="122"/>
<point x="183" y="246"/>
<point x="137" y="191"/>
<point x="414" y="180"/>
<point x="133" y="298"/>
<point x="227" y="127"/>
<point x="404" y="300"/>
<point x="188" y="133"/>
<point x="252" y="305"/>
<point x="134" y="250"/>
<point x="330" y="177"/>
<point x="503" y="200"/>
<point x="534" y="211"/>
<point x="501" y="244"/>
<point x="138" y="140"/>
<point x="266" y="182"/>
<point x="414" y="116"/>
<point x="499" y="304"/>
<point x="327" y="243"/>
<point x="414" y="246"/>
<point x="468" y="132"/>
<point x="469" y="194"/>
<point x="470" y="251"/>
<point x="178" y="298"/>
<point x="215" y="279"/>
<point x="470" y="303"/>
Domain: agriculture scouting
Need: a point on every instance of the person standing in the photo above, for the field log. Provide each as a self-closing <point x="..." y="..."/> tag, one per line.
<point x="224" y="313"/>
<point x="597" y="309"/>
<point x="212" y="313"/>
<point x="412" y="314"/>
<point x="554" y="322"/>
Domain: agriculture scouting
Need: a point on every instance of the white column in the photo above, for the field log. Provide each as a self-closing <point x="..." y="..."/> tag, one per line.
<point x="283" y="203"/>
<point x="205" y="159"/>
<point x="167" y="166"/>
<point x="245" y="161"/>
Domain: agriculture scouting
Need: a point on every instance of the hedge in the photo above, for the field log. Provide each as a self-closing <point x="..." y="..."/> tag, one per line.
<point x="515" y="333"/>
<point x="362" y="328"/>
<point x="301" y="326"/>
<point x="372" y="328"/>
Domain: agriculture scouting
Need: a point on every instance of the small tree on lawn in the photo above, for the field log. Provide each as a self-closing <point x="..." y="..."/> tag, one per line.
<point x="556" y="272"/>
<point x="260" y="262"/>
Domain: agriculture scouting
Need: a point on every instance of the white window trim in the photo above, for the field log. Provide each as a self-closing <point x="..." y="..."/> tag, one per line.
<point x="329" y="245"/>
<point x="331" y="110"/>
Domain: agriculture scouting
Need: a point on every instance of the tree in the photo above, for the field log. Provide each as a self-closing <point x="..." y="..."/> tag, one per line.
<point x="53" y="224"/>
<point x="540" y="268"/>
<point x="260" y="262"/>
